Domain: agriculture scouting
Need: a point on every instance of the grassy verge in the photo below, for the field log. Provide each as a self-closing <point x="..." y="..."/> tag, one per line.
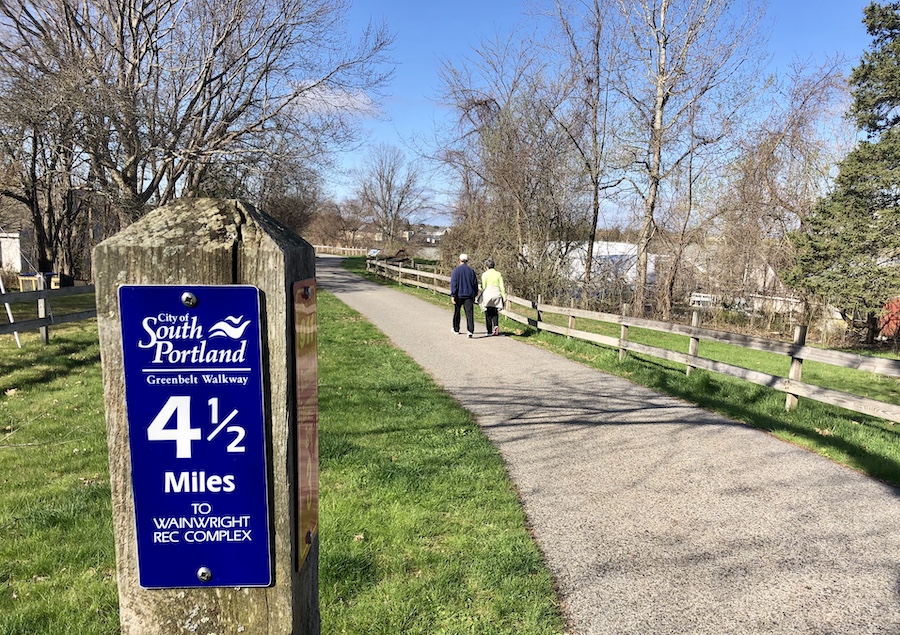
<point x="56" y="547"/>
<point x="421" y="530"/>
<point x="59" y="306"/>
<point x="867" y="444"/>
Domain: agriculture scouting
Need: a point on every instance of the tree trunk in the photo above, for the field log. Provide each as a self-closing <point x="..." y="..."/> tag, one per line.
<point x="871" y="328"/>
<point x="655" y="165"/>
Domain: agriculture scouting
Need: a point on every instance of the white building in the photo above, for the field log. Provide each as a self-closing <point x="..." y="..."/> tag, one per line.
<point x="612" y="261"/>
<point x="10" y="252"/>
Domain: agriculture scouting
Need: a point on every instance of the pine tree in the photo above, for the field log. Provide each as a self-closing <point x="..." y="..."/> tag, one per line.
<point x="849" y="249"/>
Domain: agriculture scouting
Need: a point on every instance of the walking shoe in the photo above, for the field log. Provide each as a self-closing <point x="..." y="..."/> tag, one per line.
<point x="456" y="332"/>
<point x="471" y="334"/>
<point x="496" y="330"/>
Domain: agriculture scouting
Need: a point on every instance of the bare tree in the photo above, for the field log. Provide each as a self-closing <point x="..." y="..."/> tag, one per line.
<point x="521" y="191"/>
<point x="591" y="50"/>
<point x="679" y="57"/>
<point x="390" y="190"/>
<point x="286" y="187"/>
<point x="784" y="167"/>
<point x="687" y="217"/>
<point x="44" y="169"/>
<point x="336" y="224"/>
<point x="164" y="89"/>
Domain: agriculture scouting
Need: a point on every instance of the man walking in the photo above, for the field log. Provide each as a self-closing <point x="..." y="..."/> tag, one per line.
<point x="463" y="289"/>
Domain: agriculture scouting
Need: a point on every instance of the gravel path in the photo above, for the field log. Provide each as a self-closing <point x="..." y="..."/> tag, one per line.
<point x="654" y="516"/>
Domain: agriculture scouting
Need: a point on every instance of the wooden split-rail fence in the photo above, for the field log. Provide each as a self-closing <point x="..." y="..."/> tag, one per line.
<point x="795" y="352"/>
<point x="46" y="318"/>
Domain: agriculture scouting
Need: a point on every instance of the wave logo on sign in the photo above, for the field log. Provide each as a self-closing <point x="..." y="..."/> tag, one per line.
<point x="181" y="339"/>
<point x="229" y="327"/>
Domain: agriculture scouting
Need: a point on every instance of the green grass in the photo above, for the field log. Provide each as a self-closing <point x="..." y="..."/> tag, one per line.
<point x="28" y="310"/>
<point x="869" y="445"/>
<point x="864" y="443"/>
<point x="421" y="530"/>
<point x="57" y="564"/>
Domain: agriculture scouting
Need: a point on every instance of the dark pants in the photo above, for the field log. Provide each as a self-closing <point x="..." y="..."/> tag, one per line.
<point x="468" y="305"/>
<point x="491" y="318"/>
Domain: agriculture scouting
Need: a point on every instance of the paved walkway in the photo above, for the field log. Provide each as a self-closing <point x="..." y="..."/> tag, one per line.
<point x="654" y="516"/>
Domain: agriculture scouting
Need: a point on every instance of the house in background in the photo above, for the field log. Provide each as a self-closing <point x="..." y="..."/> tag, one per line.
<point x="612" y="262"/>
<point x="434" y="234"/>
<point x="10" y="252"/>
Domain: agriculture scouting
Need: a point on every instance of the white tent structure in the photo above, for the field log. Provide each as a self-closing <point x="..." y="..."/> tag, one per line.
<point x="612" y="261"/>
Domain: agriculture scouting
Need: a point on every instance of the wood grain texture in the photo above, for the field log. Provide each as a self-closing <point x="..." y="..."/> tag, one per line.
<point x="215" y="242"/>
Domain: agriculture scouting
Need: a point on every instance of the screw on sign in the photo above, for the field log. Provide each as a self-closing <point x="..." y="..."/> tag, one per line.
<point x="193" y="388"/>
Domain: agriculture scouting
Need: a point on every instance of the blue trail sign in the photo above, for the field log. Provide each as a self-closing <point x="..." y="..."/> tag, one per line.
<point x="194" y="395"/>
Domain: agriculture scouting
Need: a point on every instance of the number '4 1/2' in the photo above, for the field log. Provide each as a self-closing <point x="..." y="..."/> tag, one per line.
<point x="183" y="434"/>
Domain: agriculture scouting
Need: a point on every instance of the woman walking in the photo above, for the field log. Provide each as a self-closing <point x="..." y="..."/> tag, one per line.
<point x="493" y="297"/>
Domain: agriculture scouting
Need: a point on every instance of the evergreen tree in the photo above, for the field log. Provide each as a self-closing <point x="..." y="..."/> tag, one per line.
<point x="849" y="249"/>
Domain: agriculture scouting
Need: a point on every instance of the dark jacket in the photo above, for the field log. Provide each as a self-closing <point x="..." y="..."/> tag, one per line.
<point x="463" y="282"/>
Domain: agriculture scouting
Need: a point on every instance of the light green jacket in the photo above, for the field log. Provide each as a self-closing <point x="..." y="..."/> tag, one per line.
<point x="492" y="289"/>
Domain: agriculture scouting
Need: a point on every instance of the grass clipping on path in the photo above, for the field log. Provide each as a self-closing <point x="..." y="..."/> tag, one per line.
<point x="420" y="527"/>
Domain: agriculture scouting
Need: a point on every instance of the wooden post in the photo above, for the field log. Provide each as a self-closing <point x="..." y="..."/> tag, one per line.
<point x="9" y="314"/>
<point x="623" y="334"/>
<point x="694" y="345"/>
<point x="213" y="242"/>
<point x="571" y="317"/>
<point x="796" y="372"/>
<point x="42" y="309"/>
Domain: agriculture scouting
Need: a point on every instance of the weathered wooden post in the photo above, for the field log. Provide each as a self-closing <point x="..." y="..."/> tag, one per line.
<point x="694" y="343"/>
<point x="796" y="371"/>
<point x="623" y="334"/>
<point x="42" y="309"/>
<point x="214" y="481"/>
<point x="571" y="319"/>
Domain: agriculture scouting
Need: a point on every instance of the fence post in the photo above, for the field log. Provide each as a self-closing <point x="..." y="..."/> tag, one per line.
<point x="694" y="344"/>
<point x="9" y="314"/>
<point x="796" y="372"/>
<point x="211" y="245"/>
<point x="42" y="309"/>
<point x="623" y="334"/>
<point x="571" y="317"/>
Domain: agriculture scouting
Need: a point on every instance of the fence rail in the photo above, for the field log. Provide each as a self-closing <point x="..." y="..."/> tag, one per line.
<point x="341" y="251"/>
<point x="45" y="318"/>
<point x="795" y="352"/>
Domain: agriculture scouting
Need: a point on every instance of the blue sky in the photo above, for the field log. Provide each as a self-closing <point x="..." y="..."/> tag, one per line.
<point x="428" y="32"/>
